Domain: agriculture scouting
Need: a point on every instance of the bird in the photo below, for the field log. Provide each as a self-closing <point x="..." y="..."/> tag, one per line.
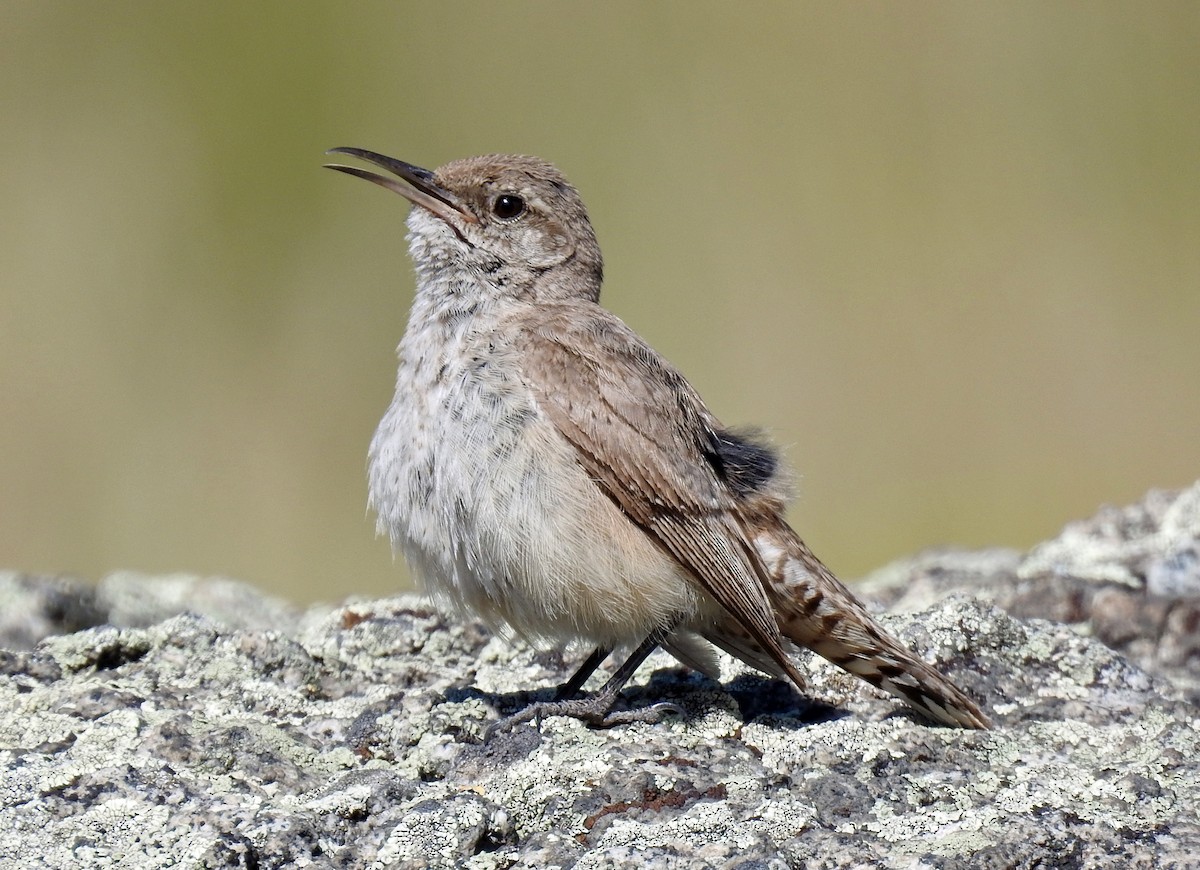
<point x="543" y="468"/>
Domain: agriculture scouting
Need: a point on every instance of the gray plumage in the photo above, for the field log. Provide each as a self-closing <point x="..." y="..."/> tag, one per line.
<point x="543" y="467"/>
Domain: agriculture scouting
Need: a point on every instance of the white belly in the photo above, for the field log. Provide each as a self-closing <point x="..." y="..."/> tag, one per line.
<point x="494" y="514"/>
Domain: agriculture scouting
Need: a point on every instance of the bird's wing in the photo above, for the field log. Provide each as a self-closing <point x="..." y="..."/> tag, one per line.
<point x="646" y="439"/>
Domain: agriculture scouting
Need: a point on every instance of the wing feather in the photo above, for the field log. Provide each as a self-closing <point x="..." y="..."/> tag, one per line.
<point x="647" y="440"/>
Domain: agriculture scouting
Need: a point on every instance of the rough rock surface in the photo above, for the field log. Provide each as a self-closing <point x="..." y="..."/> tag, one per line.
<point x="1129" y="577"/>
<point x="247" y="733"/>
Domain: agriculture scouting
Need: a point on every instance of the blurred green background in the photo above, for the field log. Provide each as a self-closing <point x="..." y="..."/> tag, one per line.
<point x="947" y="253"/>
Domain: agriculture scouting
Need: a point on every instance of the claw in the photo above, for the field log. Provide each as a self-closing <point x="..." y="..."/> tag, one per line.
<point x="651" y="715"/>
<point x="586" y="710"/>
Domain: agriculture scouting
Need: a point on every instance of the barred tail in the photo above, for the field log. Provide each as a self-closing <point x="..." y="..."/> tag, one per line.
<point x="816" y="611"/>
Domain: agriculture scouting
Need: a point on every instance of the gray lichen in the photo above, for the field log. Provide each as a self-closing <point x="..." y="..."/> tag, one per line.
<point x="248" y="733"/>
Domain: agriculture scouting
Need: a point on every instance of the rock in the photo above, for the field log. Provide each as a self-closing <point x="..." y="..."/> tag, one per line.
<point x="1128" y="576"/>
<point x="36" y="606"/>
<point x="247" y="733"/>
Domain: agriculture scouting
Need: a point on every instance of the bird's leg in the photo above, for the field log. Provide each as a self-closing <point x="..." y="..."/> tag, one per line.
<point x="572" y="686"/>
<point x="594" y="709"/>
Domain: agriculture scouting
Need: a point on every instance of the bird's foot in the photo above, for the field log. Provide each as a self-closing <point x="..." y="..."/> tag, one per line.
<point x="594" y="710"/>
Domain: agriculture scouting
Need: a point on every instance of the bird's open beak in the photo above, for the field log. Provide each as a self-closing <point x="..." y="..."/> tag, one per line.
<point x="424" y="190"/>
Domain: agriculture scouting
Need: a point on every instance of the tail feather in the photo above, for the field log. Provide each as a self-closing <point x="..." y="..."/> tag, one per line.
<point x="815" y="610"/>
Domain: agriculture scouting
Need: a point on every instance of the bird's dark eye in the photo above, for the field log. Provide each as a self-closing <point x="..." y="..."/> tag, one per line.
<point x="508" y="206"/>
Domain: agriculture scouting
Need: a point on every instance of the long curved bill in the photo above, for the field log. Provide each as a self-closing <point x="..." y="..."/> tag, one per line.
<point x="422" y="189"/>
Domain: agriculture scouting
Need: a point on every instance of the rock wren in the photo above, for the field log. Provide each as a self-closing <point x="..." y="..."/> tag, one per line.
<point x="544" y="468"/>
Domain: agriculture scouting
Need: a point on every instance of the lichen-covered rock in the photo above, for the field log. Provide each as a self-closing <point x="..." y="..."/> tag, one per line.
<point x="246" y="733"/>
<point x="1128" y="576"/>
